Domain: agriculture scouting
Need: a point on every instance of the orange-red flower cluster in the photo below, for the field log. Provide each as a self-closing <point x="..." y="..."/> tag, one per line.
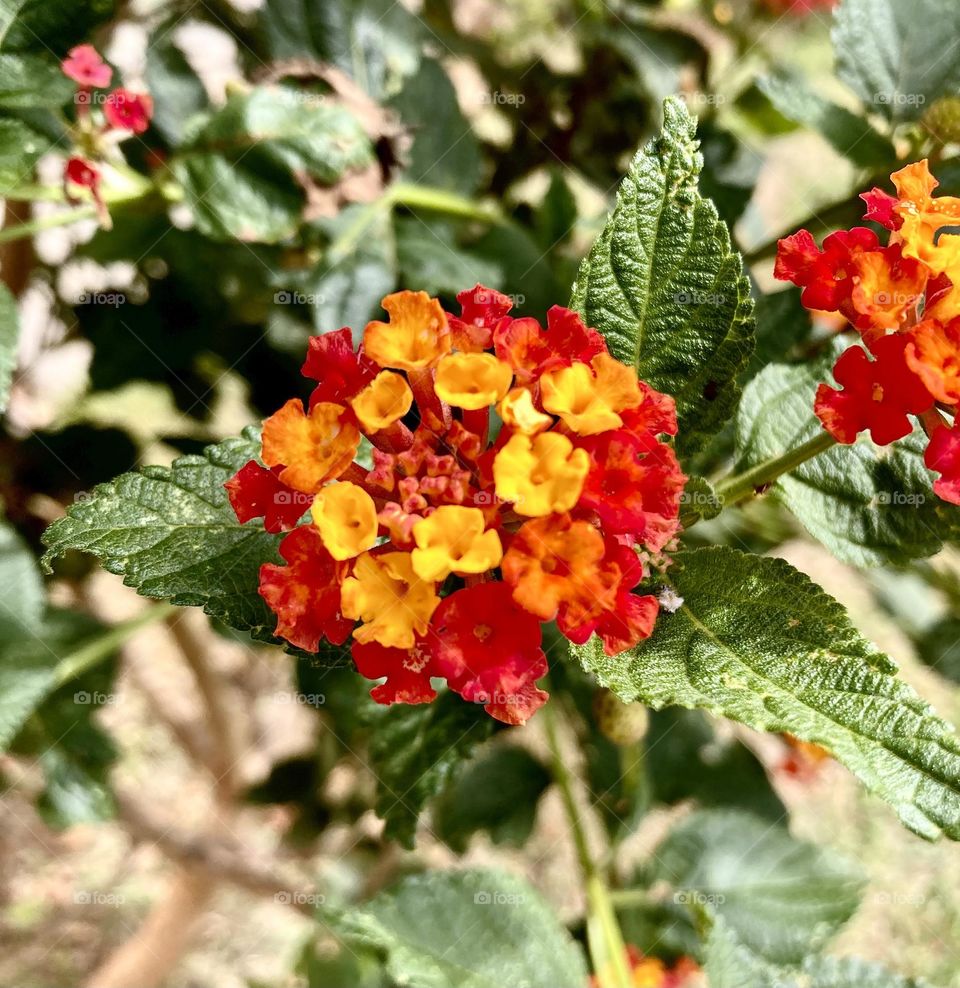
<point x="518" y="475"/>
<point x="904" y="299"/>
<point x="124" y="113"/>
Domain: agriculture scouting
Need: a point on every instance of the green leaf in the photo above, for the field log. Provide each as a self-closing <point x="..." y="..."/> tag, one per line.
<point x="686" y="759"/>
<point x="729" y="964"/>
<point x="20" y="147"/>
<point x="414" y="753"/>
<point x="466" y="929"/>
<point x="867" y="504"/>
<point x="445" y="153"/>
<point x="782" y="325"/>
<point x="22" y="602"/>
<point x="891" y="54"/>
<point x="178" y="93"/>
<point x="9" y="341"/>
<point x="665" y="287"/>
<point x="28" y="81"/>
<point x="428" y="257"/>
<point x="782" y="897"/>
<point x="377" y="42"/>
<point x="851" y="135"/>
<point x="239" y="168"/>
<point x="758" y="642"/>
<point x="170" y="533"/>
<point x="38" y="25"/>
<point x="498" y="792"/>
<point x="939" y="647"/>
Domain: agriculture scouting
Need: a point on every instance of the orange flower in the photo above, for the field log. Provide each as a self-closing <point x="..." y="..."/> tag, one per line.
<point x="922" y="214"/>
<point x="934" y="356"/>
<point x="415" y="337"/>
<point x="383" y="401"/>
<point x="519" y="413"/>
<point x="556" y="563"/>
<point x="453" y="540"/>
<point x="346" y="518"/>
<point x="540" y="475"/>
<point x="311" y="449"/>
<point x="386" y="594"/>
<point x="588" y="399"/>
<point x="472" y="380"/>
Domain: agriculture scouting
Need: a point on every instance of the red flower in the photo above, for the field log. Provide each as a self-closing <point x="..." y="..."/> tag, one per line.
<point x="407" y="672"/>
<point x="877" y="394"/>
<point x="880" y="208"/>
<point x="481" y="309"/>
<point x="531" y="352"/>
<point x="489" y="650"/>
<point x="256" y="492"/>
<point x="633" y="488"/>
<point x="125" y="110"/>
<point x="872" y="286"/>
<point x="84" y="65"/>
<point x="81" y="172"/>
<point x="305" y="594"/>
<point x="631" y="617"/>
<point x="943" y="456"/>
<point x="342" y="373"/>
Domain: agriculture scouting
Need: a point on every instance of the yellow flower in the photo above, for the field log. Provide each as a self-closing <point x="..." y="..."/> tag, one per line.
<point x="416" y="336"/>
<point x="472" y="380"/>
<point x="312" y="448"/>
<point x="383" y="401"/>
<point x="923" y="214"/>
<point x="392" y="601"/>
<point x="541" y="475"/>
<point x="346" y="518"/>
<point x="453" y="540"/>
<point x="519" y="413"/>
<point x="588" y="399"/>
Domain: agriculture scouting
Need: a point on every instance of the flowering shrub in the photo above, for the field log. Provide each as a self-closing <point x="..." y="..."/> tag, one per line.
<point x="901" y="298"/>
<point x="434" y="569"/>
<point x="558" y="496"/>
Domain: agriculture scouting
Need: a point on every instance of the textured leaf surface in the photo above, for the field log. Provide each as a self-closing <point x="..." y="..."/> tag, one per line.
<point x="729" y="964"/>
<point x="758" y="642"/>
<point x="32" y="80"/>
<point x="887" y="52"/>
<point x="414" y="753"/>
<point x="468" y="929"/>
<point x="867" y="504"/>
<point x="782" y="897"/>
<point x="665" y="287"/>
<point x="170" y="533"/>
<point x="178" y="93"/>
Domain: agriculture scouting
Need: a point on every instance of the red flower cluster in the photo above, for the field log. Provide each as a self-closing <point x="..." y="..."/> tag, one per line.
<point x="465" y="531"/>
<point x="124" y="112"/>
<point x="904" y="299"/>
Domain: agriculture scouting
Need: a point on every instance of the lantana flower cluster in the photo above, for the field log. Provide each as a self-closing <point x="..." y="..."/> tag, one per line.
<point x="903" y="296"/>
<point x="517" y="475"/>
<point x="124" y="113"/>
<point x="651" y="972"/>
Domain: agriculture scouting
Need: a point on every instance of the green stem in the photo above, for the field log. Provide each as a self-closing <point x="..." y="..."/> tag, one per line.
<point x="91" y="654"/>
<point x="48" y="222"/>
<point x="607" y="950"/>
<point x="741" y="486"/>
<point x="441" y="201"/>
